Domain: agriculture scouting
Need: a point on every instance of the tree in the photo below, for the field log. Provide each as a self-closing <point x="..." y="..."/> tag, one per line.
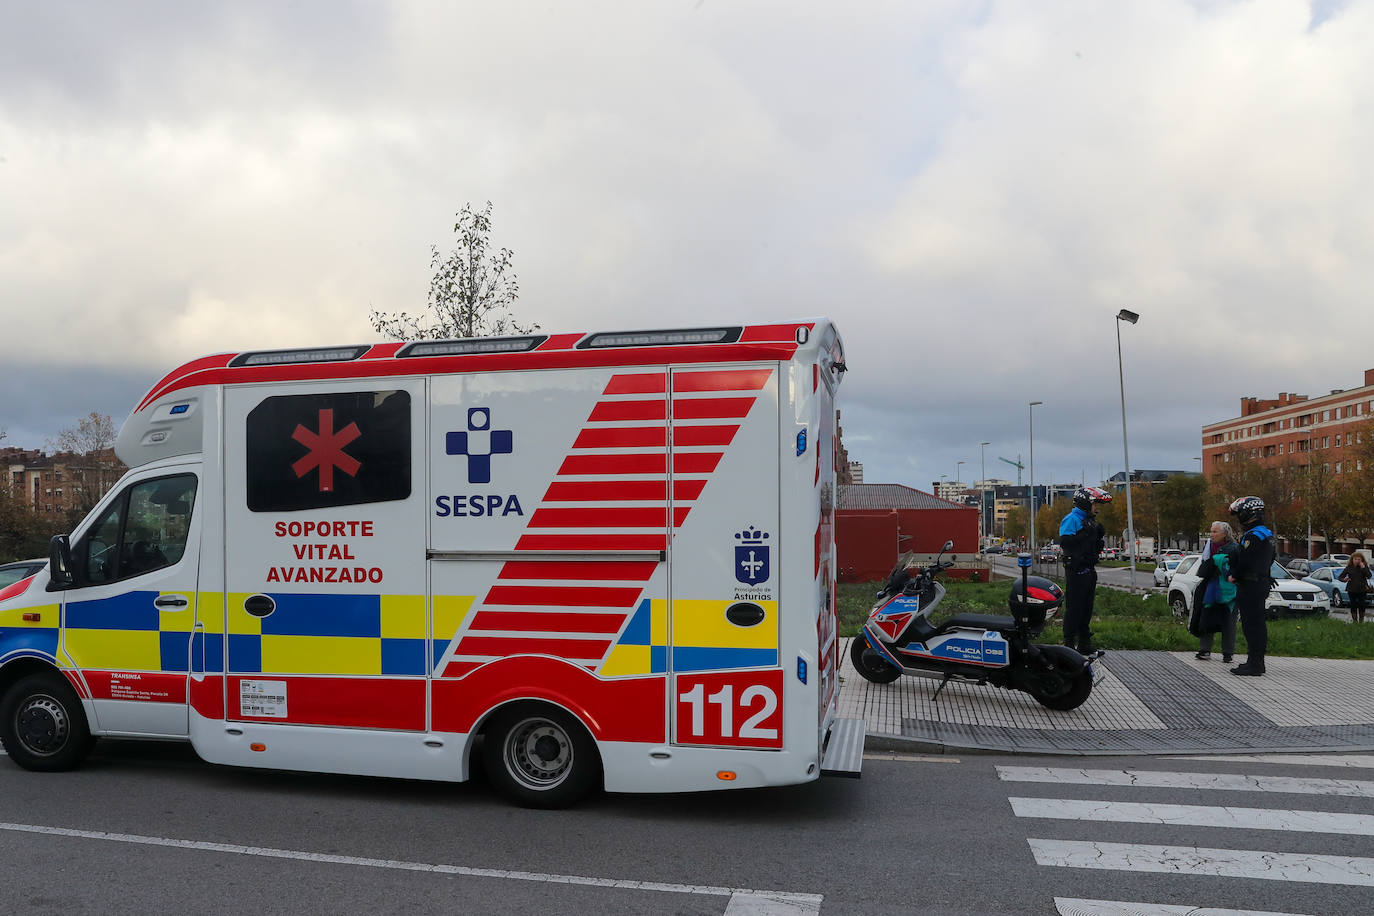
<point x="1322" y="498"/>
<point x="471" y="292"/>
<point x="23" y="534"/>
<point x="1358" y="493"/>
<point x="1017" y="523"/>
<point x="97" y="468"/>
<point x="1182" y="509"/>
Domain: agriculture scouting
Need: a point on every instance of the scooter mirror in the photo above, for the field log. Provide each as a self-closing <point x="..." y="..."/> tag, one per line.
<point x="949" y="545"/>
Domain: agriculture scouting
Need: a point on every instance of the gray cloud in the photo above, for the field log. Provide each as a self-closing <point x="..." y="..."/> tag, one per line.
<point x="972" y="194"/>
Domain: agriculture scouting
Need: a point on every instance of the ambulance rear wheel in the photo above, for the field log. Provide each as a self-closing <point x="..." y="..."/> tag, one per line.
<point x="42" y="724"/>
<point x="869" y="665"/>
<point x="541" y="757"/>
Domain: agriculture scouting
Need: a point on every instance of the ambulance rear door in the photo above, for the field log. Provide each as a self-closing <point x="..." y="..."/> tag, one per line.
<point x="723" y="615"/>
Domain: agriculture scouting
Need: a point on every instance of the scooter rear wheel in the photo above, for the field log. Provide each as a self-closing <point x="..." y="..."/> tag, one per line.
<point x="877" y="670"/>
<point x="1062" y="691"/>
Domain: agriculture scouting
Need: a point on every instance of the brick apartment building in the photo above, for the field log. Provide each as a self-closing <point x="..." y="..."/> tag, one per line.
<point x="55" y="485"/>
<point x="1290" y="426"/>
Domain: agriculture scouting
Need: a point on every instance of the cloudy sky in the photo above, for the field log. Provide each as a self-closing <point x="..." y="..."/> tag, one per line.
<point x="971" y="190"/>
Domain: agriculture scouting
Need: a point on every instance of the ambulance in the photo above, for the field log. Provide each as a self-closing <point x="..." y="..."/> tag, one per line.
<point x="587" y="560"/>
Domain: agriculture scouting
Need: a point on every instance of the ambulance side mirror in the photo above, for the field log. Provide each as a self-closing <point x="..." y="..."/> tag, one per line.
<point x="60" y="563"/>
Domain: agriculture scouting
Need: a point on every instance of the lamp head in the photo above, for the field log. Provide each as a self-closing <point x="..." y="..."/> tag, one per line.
<point x="1127" y="315"/>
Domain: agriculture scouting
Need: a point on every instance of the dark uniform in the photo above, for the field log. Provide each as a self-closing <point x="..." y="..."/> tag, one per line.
<point x="1082" y="537"/>
<point x="1251" y="568"/>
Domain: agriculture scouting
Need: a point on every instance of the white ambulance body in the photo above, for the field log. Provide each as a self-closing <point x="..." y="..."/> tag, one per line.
<point x="610" y="554"/>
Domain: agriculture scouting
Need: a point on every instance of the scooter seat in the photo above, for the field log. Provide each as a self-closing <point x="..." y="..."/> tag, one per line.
<point x="979" y="622"/>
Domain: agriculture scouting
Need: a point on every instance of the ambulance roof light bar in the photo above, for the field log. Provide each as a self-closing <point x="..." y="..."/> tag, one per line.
<point x="471" y="345"/>
<point x="293" y="357"/>
<point x="662" y="338"/>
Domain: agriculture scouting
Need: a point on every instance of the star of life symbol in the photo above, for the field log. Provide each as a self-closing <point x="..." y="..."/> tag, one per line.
<point x="751" y="557"/>
<point x="325" y="450"/>
<point x="479" y="442"/>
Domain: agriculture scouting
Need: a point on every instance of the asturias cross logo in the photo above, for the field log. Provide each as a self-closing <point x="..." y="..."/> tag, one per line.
<point x="479" y="442"/>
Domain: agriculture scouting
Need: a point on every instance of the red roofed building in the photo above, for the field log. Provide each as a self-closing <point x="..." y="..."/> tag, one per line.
<point x="875" y="522"/>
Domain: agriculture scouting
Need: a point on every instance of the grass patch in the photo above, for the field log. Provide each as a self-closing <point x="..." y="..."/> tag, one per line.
<point x="1125" y="621"/>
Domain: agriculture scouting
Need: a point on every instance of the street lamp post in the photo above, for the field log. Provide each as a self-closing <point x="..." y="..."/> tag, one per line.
<point x="1030" y="411"/>
<point x="982" y="484"/>
<point x="1130" y="317"/>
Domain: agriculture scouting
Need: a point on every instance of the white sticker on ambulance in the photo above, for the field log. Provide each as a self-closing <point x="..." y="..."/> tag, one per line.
<point x="263" y="699"/>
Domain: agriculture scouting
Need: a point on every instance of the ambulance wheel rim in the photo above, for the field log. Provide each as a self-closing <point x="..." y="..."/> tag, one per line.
<point x="538" y="753"/>
<point x="42" y="725"/>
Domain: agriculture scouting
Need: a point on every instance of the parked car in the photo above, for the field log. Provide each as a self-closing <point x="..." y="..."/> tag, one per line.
<point x="1164" y="570"/>
<point x="1290" y="596"/>
<point x="1303" y="567"/>
<point x="1173" y="552"/>
<point x="1325" y="578"/>
<point x="11" y="573"/>
<point x="1336" y="558"/>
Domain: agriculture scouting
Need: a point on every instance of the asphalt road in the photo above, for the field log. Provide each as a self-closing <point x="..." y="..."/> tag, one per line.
<point x="148" y="827"/>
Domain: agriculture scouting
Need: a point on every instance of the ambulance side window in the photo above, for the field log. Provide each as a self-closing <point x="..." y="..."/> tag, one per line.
<point x="144" y="529"/>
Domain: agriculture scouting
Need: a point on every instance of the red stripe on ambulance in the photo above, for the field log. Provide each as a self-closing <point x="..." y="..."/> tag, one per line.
<point x="561" y="596"/>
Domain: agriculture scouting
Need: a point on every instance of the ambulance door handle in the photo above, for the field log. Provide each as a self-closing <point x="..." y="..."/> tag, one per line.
<point x="171" y="601"/>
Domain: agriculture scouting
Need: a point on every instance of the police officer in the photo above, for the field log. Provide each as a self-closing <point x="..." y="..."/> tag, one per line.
<point x="1081" y="537"/>
<point x="1251" y="572"/>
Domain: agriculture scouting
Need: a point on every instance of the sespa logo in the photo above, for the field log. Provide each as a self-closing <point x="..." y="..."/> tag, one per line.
<point x="478" y="443"/>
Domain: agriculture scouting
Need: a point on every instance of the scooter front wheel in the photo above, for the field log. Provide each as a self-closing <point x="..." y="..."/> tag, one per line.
<point x="870" y="665"/>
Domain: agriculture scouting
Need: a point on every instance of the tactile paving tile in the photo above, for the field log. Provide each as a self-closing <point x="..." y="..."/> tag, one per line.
<point x="1300" y="691"/>
<point x="1181" y="695"/>
<point x="1120" y="717"/>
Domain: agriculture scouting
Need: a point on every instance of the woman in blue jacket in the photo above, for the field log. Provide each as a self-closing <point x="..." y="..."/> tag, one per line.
<point x="1214" y="603"/>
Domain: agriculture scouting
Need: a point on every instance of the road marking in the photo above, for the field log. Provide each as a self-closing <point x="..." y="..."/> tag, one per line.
<point x="1194" y="860"/>
<point x="1315" y="760"/>
<point x="743" y="901"/>
<point x="1194" y="815"/>
<point x="1074" y="906"/>
<point x="908" y="758"/>
<point x="1160" y="779"/>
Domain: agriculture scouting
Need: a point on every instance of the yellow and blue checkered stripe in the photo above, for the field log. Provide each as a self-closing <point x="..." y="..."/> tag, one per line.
<point x="703" y="639"/>
<point x="19" y="637"/>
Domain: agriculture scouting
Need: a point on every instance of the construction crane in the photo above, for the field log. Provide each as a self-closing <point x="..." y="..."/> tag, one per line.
<point x="1016" y="464"/>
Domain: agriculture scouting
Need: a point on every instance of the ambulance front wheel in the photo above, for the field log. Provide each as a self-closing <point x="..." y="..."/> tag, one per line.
<point x="541" y="757"/>
<point x="42" y="724"/>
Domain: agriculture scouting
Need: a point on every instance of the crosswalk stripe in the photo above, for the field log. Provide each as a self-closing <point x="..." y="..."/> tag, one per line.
<point x="1159" y="779"/>
<point x="1076" y="906"/>
<point x="1194" y="815"/>
<point x="1365" y="761"/>
<point x="1194" y="860"/>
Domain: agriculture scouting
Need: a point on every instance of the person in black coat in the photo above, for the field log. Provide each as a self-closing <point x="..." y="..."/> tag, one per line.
<point x="1252" y="575"/>
<point x="1214" y="602"/>
<point x="1357" y="573"/>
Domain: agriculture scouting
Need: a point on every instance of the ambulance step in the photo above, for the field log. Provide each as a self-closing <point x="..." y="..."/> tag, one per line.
<point x="844" y="752"/>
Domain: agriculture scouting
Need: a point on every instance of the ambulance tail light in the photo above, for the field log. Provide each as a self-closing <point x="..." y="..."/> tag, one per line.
<point x="661" y="338"/>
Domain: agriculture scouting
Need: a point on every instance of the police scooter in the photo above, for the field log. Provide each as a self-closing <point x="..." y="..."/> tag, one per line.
<point x="899" y="638"/>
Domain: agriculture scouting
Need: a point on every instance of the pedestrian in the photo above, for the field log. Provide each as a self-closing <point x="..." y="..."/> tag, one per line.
<point x="1081" y="537"/>
<point x="1251" y="572"/>
<point x="1358" y="574"/>
<point x="1214" y="602"/>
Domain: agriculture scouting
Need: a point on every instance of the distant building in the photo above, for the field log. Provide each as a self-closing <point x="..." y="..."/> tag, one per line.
<point x="1118" y="480"/>
<point x="856" y="472"/>
<point x="876" y="522"/>
<point x="55" y="485"/>
<point x="1291" y="426"/>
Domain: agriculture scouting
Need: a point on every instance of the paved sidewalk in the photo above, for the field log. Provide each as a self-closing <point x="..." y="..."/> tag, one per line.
<point x="1147" y="703"/>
